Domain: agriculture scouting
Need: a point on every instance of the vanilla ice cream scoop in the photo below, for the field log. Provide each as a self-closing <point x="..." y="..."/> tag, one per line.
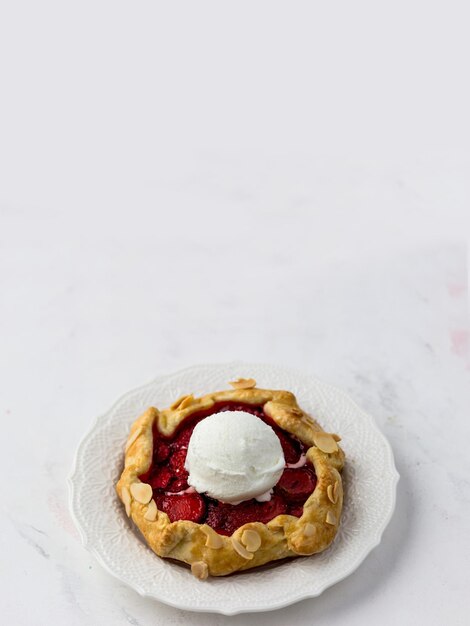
<point x="234" y="456"/>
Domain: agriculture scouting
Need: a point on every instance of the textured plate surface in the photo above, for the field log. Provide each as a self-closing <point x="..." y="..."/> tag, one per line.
<point x="370" y="481"/>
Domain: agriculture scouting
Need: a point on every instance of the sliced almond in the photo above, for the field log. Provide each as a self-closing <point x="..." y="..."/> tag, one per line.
<point x="178" y="404"/>
<point x="213" y="539"/>
<point x="325" y="442"/>
<point x="126" y="498"/>
<point x="251" y="539"/>
<point x="186" y="402"/>
<point x="151" y="513"/>
<point x="132" y="438"/>
<point x="309" y="530"/>
<point x="141" y="492"/>
<point x="336" y="491"/>
<point x="242" y="551"/>
<point x="330" y="490"/>
<point x="297" y="412"/>
<point x="336" y="437"/>
<point x="331" y="518"/>
<point x="243" y="383"/>
<point x="200" y="570"/>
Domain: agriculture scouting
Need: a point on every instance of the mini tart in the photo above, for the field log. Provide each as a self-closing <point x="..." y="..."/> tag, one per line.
<point x="252" y="544"/>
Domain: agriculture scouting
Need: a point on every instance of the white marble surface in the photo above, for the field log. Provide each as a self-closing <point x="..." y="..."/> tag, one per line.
<point x="197" y="182"/>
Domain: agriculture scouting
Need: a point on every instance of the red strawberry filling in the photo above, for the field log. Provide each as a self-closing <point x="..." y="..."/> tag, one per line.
<point x="296" y="484"/>
<point x="178" y="484"/>
<point x="177" y="460"/>
<point x="168" y="478"/>
<point x="226" y="518"/>
<point x="161" y="451"/>
<point x="190" y="506"/>
<point x="161" y="479"/>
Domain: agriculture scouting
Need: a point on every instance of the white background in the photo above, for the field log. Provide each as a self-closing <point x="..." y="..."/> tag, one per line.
<point x="187" y="182"/>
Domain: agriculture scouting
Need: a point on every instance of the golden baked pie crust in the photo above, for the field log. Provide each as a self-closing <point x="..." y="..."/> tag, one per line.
<point x="208" y="552"/>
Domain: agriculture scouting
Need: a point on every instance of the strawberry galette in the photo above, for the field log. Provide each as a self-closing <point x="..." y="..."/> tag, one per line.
<point x="232" y="480"/>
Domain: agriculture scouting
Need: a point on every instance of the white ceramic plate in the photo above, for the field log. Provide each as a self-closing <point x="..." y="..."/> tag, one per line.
<point x="370" y="481"/>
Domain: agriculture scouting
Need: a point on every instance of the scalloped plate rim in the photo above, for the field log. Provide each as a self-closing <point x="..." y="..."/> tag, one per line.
<point x="304" y="595"/>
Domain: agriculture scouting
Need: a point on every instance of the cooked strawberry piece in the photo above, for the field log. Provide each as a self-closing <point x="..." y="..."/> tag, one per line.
<point x="189" y="506"/>
<point x="290" y="446"/>
<point x="269" y="510"/>
<point x="160" y="478"/>
<point x="177" y="460"/>
<point x="253" y="511"/>
<point x="184" y="435"/>
<point x="162" y="452"/>
<point x="296" y="485"/>
<point x="178" y="484"/>
<point x="217" y="515"/>
<point x="226" y="518"/>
